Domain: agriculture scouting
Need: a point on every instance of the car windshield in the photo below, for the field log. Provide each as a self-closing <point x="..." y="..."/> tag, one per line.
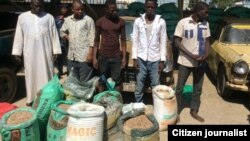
<point x="129" y="29"/>
<point x="236" y="34"/>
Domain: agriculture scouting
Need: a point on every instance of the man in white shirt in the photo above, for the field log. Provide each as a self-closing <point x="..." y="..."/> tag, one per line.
<point x="192" y="38"/>
<point x="36" y="38"/>
<point x="148" y="48"/>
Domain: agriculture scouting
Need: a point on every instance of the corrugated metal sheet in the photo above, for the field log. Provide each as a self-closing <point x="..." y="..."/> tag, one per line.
<point x="120" y="3"/>
<point x="103" y="1"/>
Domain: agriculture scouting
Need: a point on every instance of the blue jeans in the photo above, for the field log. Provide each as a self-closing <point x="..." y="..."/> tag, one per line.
<point x="146" y="68"/>
<point x="82" y="70"/>
<point x="110" y="67"/>
<point x="198" y="77"/>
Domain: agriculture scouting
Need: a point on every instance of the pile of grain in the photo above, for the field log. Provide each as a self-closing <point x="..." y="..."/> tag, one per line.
<point x="64" y="107"/>
<point x="139" y="122"/>
<point x="19" y="117"/>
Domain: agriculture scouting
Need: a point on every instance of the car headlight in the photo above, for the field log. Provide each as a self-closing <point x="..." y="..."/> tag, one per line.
<point x="241" y="67"/>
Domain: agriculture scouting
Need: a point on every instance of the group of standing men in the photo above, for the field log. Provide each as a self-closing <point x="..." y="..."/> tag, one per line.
<point x="102" y="45"/>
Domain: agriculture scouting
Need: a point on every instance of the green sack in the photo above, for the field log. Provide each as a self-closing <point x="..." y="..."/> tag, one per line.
<point x="136" y="7"/>
<point x="80" y="90"/>
<point x="187" y="93"/>
<point x="172" y="22"/>
<point x="132" y="13"/>
<point x="58" y="120"/>
<point x="169" y="7"/>
<point x="215" y="11"/>
<point x="49" y="94"/>
<point x="138" y="132"/>
<point x="158" y="11"/>
<point x="171" y="28"/>
<point x="26" y="131"/>
<point x="170" y="16"/>
<point x="112" y="101"/>
<point x="122" y="12"/>
<point x="236" y="11"/>
<point x="214" y="18"/>
<point x="110" y="84"/>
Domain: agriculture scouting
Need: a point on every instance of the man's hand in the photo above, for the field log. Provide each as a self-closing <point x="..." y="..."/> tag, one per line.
<point x="135" y="64"/>
<point x="90" y="58"/>
<point x="123" y="62"/>
<point x="95" y="63"/>
<point x="66" y="37"/>
<point x="55" y="57"/>
<point x="160" y="66"/>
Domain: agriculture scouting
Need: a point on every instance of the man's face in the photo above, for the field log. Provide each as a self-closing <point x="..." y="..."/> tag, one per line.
<point x="150" y="9"/>
<point x="64" y="10"/>
<point x="78" y="10"/>
<point x="202" y="15"/>
<point x="36" y="6"/>
<point x="111" y="11"/>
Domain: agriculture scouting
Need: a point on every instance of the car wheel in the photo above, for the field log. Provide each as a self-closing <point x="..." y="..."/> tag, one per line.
<point x="8" y="85"/>
<point x="221" y="83"/>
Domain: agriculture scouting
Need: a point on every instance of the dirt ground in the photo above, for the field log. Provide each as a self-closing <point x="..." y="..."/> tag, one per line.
<point x="215" y="110"/>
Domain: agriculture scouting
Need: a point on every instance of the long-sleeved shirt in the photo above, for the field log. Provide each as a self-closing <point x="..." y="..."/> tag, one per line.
<point x="36" y="38"/>
<point x="81" y="34"/>
<point x="149" y="47"/>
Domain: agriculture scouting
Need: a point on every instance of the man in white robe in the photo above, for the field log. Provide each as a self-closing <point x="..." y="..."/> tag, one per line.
<point x="36" y="38"/>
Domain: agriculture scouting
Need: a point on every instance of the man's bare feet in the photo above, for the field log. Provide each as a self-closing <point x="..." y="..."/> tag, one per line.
<point x="195" y="115"/>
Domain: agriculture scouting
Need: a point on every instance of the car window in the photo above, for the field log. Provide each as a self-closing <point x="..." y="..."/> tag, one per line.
<point x="129" y="29"/>
<point x="236" y="35"/>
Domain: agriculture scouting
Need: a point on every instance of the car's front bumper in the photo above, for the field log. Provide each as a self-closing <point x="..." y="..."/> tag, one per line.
<point x="232" y="86"/>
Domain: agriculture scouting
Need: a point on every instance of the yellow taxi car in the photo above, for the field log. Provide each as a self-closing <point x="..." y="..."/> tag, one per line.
<point x="229" y="57"/>
<point x="166" y="77"/>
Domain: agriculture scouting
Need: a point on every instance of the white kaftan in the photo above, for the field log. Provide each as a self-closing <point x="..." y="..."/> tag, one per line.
<point x="36" y="38"/>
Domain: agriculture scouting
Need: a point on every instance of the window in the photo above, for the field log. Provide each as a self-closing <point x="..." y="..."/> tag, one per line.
<point x="235" y="35"/>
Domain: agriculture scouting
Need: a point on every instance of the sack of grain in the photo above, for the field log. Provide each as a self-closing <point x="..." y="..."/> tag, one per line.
<point x="49" y="94"/>
<point x="139" y="127"/>
<point x="169" y="8"/>
<point x="20" y="125"/>
<point x="80" y="90"/>
<point x="85" y="122"/>
<point x="113" y="108"/>
<point x="165" y="106"/>
<point x="136" y="7"/>
<point x="112" y="101"/>
<point x="58" y="120"/>
<point x="215" y="11"/>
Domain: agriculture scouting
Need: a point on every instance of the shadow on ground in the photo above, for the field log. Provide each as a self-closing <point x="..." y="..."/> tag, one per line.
<point x="128" y="97"/>
<point x="236" y="96"/>
<point x="248" y="119"/>
<point x="21" y="90"/>
<point x="240" y="98"/>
